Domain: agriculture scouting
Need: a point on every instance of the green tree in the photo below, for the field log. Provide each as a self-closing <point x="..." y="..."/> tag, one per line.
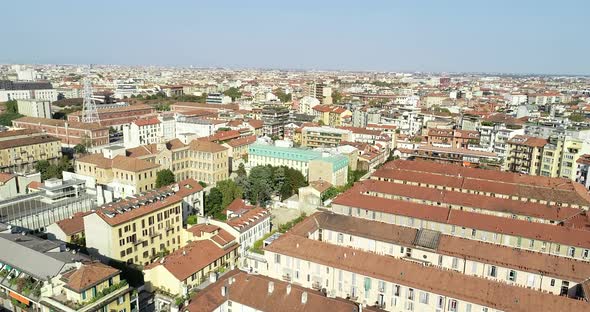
<point x="229" y="191"/>
<point x="164" y="177"/>
<point x="213" y="202"/>
<point x="283" y="97"/>
<point x="42" y="166"/>
<point x="192" y="219"/>
<point x="80" y="149"/>
<point x="12" y="107"/>
<point x="259" y="185"/>
<point x="336" y="97"/>
<point x="577" y="117"/>
<point x="241" y="170"/>
<point x="233" y="92"/>
<point x="203" y="184"/>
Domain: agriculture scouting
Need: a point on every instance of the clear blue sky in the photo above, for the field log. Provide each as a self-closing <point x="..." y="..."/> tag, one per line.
<point x="518" y="36"/>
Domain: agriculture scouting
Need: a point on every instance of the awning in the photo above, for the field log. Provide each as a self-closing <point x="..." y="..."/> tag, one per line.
<point x="19" y="298"/>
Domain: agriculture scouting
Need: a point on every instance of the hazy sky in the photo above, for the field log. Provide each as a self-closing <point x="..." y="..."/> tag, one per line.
<point x="517" y="36"/>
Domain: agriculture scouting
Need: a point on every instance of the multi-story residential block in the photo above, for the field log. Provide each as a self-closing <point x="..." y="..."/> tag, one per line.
<point x="583" y="170"/>
<point x="38" y="94"/>
<point x="334" y="116"/>
<point x="199" y="126"/>
<point x="137" y="230"/>
<point x="242" y="291"/>
<point x="35" y="108"/>
<point x="211" y="250"/>
<point x="142" y="132"/>
<point x="274" y="119"/>
<point x="91" y="286"/>
<point x="123" y="176"/>
<point x="469" y="257"/>
<point x="116" y="117"/>
<point x="334" y="167"/>
<point x="70" y="133"/>
<point x="398" y="285"/>
<point x="20" y="150"/>
<point x="199" y="159"/>
<point x="307" y="103"/>
<point x="324" y="136"/>
<point x="452" y="138"/>
<point x="237" y="150"/>
<point x="524" y="154"/>
<point x="560" y="157"/>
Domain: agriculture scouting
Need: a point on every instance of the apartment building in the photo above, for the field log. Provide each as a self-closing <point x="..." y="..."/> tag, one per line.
<point x="69" y="132"/>
<point x="90" y="286"/>
<point x="198" y="159"/>
<point x="184" y="269"/>
<point x="116" y="117"/>
<point x="142" y="132"/>
<point x="198" y="126"/>
<point x="452" y="138"/>
<point x="548" y="273"/>
<point x="583" y="170"/>
<point x="20" y="150"/>
<point x="137" y="230"/>
<point x="524" y="154"/>
<point x="242" y="291"/>
<point x="123" y="176"/>
<point x="395" y="284"/>
<point x="507" y="185"/>
<point x="334" y="116"/>
<point x="41" y="275"/>
<point x="560" y="157"/>
<point x="237" y="150"/>
<point x="331" y="168"/>
<point x="274" y="119"/>
<point x="324" y="136"/>
<point x="35" y="108"/>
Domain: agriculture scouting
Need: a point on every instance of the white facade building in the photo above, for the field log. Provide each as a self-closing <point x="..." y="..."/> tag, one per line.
<point x="34" y="108"/>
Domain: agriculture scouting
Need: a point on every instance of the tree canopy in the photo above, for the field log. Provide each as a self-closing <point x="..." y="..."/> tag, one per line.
<point x="264" y="181"/>
<point x="164" y="177"/>
<point x="283" y="97"/>
<point x="233" y="92"/>
<point x="55" y="170"/>
<point x="336" y="97"/>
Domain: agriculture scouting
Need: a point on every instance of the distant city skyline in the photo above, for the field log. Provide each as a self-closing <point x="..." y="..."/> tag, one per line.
<point x="526" y="37"/>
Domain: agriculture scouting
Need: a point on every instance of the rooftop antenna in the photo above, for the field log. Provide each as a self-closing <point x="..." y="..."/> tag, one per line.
<point x="89" y="110"/>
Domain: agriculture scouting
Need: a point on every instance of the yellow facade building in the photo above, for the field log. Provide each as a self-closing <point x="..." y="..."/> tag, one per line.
<point x="90" y="287"/>
<point x="20" y="150"/>
<point x="199" y="159"/>
<point x="125" y="176"/>
<point x="137" y="230"/>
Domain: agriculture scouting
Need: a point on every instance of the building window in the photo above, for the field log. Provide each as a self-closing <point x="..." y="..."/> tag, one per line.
<point x="492" y="271"/>
<point x="571" y="251"/>
<point x="512" y="275"/>
<point x="552" y="282"/>
<point x="424" y="297"/>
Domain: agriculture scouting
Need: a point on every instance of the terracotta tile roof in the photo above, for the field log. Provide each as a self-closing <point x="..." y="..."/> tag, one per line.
<point x="499" y="296"/>
<point x="242" y="141"/>
<point x="489" y="223"/>
<point x="119" y="162"/>
<point x="74" y="224"/>
<point x="528" y="141"/>
<point x="187" y="187"/>
<point x="88" y="275"/>
<point x="35" y="185"/>
<point x="497" y="182"/>
<point x="466" y="200"/>
<point x="320" y="185"/>
<point x="256" y="124"/>
<point x="192" y="258"/>
<point x="60" y="123"/>
<point x="249" y="219"/>
<point x="237" y="206"/>
<point x="206" y="146"/>
<point x="521" y="259"/>
<point x="147" y="121"/>
<point x="33" y="139"/>
<point x="119" y="218"/>
<point x="252" y="291"/>
<point x="584" y="159"/>
<point x="359" y="130"/>
<point x="5" y="177"/>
